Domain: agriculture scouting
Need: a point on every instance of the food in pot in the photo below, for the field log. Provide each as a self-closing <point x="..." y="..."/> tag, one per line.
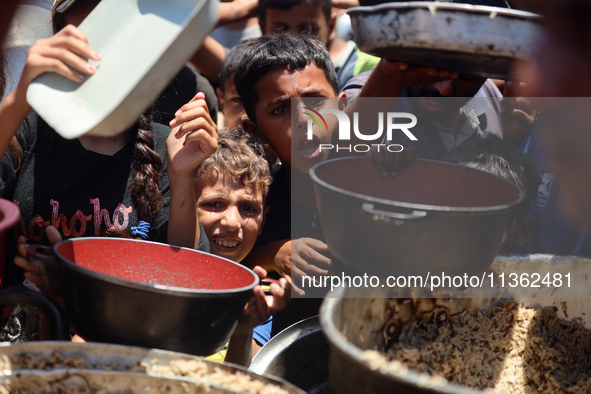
<point x="509" y="348"/>
<point x="194" y="369"/>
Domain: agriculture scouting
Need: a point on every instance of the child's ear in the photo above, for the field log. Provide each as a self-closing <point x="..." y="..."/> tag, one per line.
<point x="265" y="212"/>
<point x="526" y="227"/>
<point x="220" y="98"/>
<point x="342" y="101"/>
<point x="249" y="126"/>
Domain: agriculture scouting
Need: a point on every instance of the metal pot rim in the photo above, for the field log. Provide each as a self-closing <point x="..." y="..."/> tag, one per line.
<point x="162" y="289"/>
<point x="468" y="8"/>
<point x="414" y="206"/>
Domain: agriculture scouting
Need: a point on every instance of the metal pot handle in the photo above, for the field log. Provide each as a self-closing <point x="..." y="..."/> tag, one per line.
<point x="378" y="214"/>
<point x="59" y="324"/>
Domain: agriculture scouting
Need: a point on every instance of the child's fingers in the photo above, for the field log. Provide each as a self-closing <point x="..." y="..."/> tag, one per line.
<point x="27" y="265"/>
<point x="262" y="308"/>
<point x="70" y="59"/>
<point x="73" y="31"/>
<point x="53" y="235"/>
<point x="260" y="271"/>
<point x="43" y="64"/>
<point x="302" y="267"/>
<point x="316" y="244"/>
<point x="75" y="45"/>
<point x="197" y="113"/>
<point x="21" y="246"/>
<point x="207" y="143"/>
<point x="199" y="96"/>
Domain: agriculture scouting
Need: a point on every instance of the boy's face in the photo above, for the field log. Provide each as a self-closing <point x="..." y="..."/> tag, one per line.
<point x="231" y="214"/>
<point x="274" y="114"/>
<point x="299" y="19"/>
<point x="231" y="104"/>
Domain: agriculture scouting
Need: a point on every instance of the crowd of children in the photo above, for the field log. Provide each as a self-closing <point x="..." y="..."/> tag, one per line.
<point x="243" y="191"/>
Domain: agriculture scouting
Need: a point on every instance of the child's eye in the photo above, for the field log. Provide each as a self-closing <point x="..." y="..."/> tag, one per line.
<point x="214" y="206"/>
<point x="249" y="209"/>
<point x="279" y="110"/>
<point x="236" y="99"/>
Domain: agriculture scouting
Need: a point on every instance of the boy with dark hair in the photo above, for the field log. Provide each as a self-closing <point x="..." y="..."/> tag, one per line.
<point x="230" y="102"/>
<point x="274" y="70"/>
<point x="315" y="17"/>
<point x="495" y="156"/>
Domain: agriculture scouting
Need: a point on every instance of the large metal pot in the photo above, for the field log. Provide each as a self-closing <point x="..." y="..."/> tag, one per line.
<point x="298" y="354"/>
<point x="150" y="294"/>
<point x="431" y="217"/>
<point x="353" y="324"/>
<point x="60" y="366"/>
<point x="461" y="37"/>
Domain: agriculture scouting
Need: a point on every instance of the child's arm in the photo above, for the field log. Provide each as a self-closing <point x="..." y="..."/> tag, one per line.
<point x="209" y="58"/>
<point x="64" y="54"/>
<point x="390" y="78"/>
<point x="193" y="138"/>
<point x="257" y="311"/>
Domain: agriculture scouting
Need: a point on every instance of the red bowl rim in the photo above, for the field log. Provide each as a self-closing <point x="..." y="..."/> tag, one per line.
<point x="170" y="290"/>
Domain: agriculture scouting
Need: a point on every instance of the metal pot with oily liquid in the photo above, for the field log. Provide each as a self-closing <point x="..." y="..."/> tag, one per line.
<point x="148" y="294"/>
<point x="432" y="217"/>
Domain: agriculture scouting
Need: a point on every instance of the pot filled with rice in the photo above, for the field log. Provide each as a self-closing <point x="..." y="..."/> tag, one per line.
<point x="385" y="343"/>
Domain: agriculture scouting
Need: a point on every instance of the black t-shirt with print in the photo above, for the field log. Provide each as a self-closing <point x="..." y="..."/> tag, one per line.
<point x="80" y="192"/>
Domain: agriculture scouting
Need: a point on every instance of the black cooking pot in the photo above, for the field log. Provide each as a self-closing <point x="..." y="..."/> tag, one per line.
<point x="433" y="217"/>
<point x="149" y="294"/>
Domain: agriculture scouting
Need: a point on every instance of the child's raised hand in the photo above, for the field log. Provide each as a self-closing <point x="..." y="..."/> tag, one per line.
<point x="64" y="54"/>
<point x="193" y="137"/>
<point x="307" y="260"/>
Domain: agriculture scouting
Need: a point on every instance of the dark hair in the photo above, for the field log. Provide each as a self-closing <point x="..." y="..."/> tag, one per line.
<point x="284" y="50"/>
<point x="286" y="5"/>
<point x="231" y="62"/>
<point x="495" y="156"/>
<point x="146" y="165"/>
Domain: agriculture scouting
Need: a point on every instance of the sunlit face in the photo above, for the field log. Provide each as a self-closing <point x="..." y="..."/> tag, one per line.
<point x="231" y="105"/>
<point x="302" y="18"/>
<point x="231" y="214"/>
<point x="274" y="114"/>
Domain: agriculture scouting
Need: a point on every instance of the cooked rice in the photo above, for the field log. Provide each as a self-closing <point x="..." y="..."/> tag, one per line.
<point x="510" y="348"/>
<point x="196" y="370"/>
